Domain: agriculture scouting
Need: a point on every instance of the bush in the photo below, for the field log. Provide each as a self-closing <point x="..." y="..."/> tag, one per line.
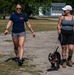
<point x="0" y="16"/>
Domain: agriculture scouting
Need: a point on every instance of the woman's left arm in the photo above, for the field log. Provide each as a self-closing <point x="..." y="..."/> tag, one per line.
<point x="30" y="28"/>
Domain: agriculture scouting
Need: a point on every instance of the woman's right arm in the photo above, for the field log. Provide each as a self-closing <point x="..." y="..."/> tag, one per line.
<point x="7" y="27"/>
<point x="59" y="24"/>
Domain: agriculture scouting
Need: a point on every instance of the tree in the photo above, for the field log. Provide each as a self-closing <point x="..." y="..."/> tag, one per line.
<point x="29" y="6"/>
<point x="68" y="2"/>
<point x="35" y="4"/>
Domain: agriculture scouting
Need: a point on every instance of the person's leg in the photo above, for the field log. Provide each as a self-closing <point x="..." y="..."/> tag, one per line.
<point x="21" y="47"/>
<point x="70" y="49"/>
<point x="16" y="45"/>
<point x="64" y="49"/>
<point x="70" y="53"/>
<point x="21" y="50"/>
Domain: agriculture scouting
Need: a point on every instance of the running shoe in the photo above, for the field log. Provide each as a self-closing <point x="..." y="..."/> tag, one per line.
<point x="20" y="62"/>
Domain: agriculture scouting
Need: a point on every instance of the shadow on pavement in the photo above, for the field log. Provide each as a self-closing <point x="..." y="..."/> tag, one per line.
<point x="14" y="59"/>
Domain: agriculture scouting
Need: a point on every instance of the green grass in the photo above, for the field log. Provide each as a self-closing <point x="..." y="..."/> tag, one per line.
<point x="11" y="68"/>
<point x="37" y="25"/>
<point x="43" y="25"/>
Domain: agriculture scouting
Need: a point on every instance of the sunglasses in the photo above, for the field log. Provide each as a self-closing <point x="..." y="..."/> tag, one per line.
<point x="18" y="8"/>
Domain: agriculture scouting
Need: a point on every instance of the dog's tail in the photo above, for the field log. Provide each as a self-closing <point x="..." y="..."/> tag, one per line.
<point x="57" y="48"/>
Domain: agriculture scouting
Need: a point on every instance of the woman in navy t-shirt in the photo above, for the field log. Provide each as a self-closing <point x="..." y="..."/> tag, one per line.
<point x="18" y="32"/>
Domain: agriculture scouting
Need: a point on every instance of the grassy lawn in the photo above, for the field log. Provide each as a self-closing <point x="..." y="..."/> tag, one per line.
<point x="37" y="25"/>
<point x="43" y="25"/>
<point x="11" y="67"/>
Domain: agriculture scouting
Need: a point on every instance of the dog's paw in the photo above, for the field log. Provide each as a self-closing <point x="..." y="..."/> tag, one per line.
<point x="53" y="69"/>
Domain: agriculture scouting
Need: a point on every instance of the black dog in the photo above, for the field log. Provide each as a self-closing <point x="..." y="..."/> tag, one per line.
<point x="55" y="59"/>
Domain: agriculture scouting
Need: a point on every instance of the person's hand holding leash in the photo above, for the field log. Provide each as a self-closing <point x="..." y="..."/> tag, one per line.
<point x="59" y="31"/>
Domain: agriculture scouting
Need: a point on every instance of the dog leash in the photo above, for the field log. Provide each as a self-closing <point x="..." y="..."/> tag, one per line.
<point x="59" y="40"/>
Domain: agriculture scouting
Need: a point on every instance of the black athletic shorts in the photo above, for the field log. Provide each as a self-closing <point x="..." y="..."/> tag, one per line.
<point x="66" y="37"/>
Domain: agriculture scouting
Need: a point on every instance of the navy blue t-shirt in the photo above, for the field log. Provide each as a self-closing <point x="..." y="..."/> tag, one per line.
<point x="18" y="22"/>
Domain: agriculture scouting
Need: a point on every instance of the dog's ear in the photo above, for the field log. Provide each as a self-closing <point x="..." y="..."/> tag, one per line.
<point x="49" y="54"/>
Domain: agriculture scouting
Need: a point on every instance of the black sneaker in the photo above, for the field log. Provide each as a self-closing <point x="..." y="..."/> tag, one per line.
<point x="20" y="62"/>
<point x="53" y="69"/>
<point x="16" y="59"/>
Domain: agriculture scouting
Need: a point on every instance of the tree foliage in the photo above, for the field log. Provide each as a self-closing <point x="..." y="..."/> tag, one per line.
<point x="29" y="6"/>
<point x="68" y="2"/>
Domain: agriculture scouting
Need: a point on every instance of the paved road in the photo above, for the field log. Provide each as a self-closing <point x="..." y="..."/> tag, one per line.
<point x="38" y="48"/>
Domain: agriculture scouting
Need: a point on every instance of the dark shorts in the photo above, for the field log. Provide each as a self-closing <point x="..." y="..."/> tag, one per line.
<point x="66" y="37"/>
<point x="17" y="35"/>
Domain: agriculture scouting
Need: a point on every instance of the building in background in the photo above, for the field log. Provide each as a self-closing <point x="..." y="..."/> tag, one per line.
<point x="55" y="10"/>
